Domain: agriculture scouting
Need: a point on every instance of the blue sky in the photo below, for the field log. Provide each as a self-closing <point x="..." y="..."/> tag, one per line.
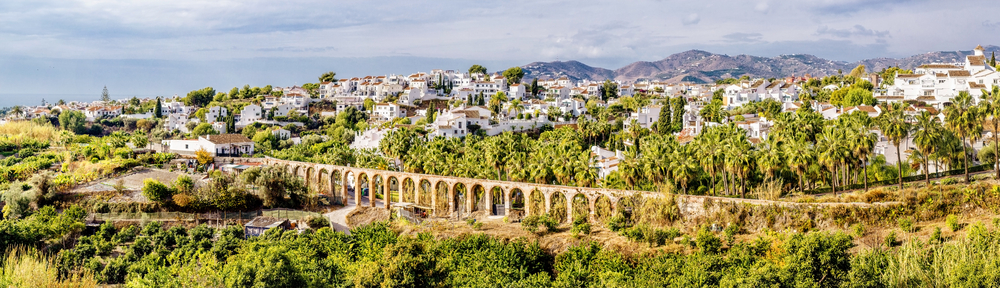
<point x="154" y="47"/>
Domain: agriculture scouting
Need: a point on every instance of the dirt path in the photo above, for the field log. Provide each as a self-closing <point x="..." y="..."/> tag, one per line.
<point x="338" y="218"/>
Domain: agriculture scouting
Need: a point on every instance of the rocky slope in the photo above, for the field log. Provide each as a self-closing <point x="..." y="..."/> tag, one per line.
<point x="701" y="67"/>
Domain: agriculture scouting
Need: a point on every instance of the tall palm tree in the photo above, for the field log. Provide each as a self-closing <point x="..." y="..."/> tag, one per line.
<point x="927" y="137"/>
<point x="770" y="157"/>
<point x="991" y="108"/>
<point x="863" y="143"/>
<point x="831" y="151"/>
<point x="896" y="128"/>
<point x="708" y="153"/>
<point x="965" y="120"/>
<point x="799" y="157"/>
<point x="684" y="167"/>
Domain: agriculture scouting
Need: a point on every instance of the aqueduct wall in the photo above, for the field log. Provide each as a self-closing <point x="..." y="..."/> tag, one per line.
<point x="460" y="194"/>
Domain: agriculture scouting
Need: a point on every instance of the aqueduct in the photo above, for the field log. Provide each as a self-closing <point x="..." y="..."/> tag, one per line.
<point x="452" y="196"/>
<point x="459" y="197"/>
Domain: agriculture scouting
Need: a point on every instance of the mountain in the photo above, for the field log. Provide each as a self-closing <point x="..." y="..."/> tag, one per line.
<point x="698" y="66"/>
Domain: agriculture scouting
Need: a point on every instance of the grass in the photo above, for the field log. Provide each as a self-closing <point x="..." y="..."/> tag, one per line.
<point x="27" y="267"/>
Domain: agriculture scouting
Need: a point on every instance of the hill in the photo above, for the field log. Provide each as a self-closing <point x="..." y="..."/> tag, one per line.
<point x="698" y="66"/>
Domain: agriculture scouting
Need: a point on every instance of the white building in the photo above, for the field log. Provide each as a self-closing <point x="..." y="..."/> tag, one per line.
<point x="214" y="113"/>
<point x="217" y="145"/>
<point x="176" y="121"/>
<point x="250" y="114"/>
<point x="389" y="111"/>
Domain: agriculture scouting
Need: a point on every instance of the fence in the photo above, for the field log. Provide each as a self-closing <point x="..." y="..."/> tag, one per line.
<point x="215" y="216"/>
<point x="907" y="179"/>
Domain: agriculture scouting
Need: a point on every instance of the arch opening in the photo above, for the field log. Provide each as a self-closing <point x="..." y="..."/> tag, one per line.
<point x="394" y="189"/>
<point x="603" y="209"/>
<point x="558" y="208"/>
<point x="460" y="199"/>
<point x="408" y="191"/>
<point x="536" y="202"/>
<point x="441" y="192"/>
<point x="581" y="207"/>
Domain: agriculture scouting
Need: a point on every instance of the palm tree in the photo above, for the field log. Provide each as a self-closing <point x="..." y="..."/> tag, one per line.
<point x="895" y="127"/>
<point x="799" y="157"/>
<point x="831" y="151"/>
<point x="965" y="120"/>
<point x="863" y="142"/>
<point x="770" y="157"/>
<point x="709" y="154"/>
<point x="991" y="107"/>
<point x="684" y="166"/>
<point x="927" y="136"/>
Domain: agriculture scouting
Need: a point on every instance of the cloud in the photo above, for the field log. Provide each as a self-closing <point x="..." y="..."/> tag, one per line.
<point x="691" y="19"/>
<point x="854" y="6"/>
<point x="761" y="7"/>
<point x="856" y="31"/>
<point x="743" y="37"/>
<point x="991" y="24"/>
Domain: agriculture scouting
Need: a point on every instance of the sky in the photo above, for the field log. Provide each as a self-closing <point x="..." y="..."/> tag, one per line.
<point x="154" y="47"/>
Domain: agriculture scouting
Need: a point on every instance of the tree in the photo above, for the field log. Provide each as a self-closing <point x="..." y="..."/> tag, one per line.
<point x="513" y="75"/>
<point x="991" y="108"/>
<point x="73" y="120"/>
<point x="966" y="121"/>
<point x="534" y="88"/>
<point x="896" y="128"/>
<point x="477" y="69"/>
<point x="204" y="129"/>
<point x="105" y="97"/>
<point x="610" y="90"/>
<point x="663" y="125"/>
<point x="993" y="59"/>
<point x="200" y="97"/>
<point x="858" y="72"/>
<point x="927" y="137"/>
<point x="155" y="191"/>
<point x="326" y="77"/>
<point x="369" y="105"/>
<point x="203" y="156"/>
<point x="158" y="110"/>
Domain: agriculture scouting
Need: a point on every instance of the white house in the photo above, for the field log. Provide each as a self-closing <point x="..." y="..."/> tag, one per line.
<point x="217" y="145"/>
<point x="250" y="114"/>
<point x="281" y="134"/>
<point x="219" y="127"/>
<point x="214" y="113"/>
<point x="389" y="111"/>
<point x="176" y="121"/>
<point x="645" y="117"/>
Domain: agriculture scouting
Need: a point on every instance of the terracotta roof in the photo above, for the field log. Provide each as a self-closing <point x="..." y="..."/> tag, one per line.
<point x="925" y="98"/>
<point x="939" y="66"/>
<point x="977" y="60"/>
<point x="908" y="75"/>
<point x="979" y="47"/>
<point x="228" y="138"/>
<point x="959" y="73"/>
<point x="976" y="85"/>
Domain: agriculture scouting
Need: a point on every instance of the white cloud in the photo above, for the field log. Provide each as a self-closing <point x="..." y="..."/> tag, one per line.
<point x="691" y="19"/>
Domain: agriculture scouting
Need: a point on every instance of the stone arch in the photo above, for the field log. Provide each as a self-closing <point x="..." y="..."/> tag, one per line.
<point x="363" y="186"/>
<point x="408" y="191"/>
<point x="626" y="206"/>
<point x="323" y="181"/>
<point x="310" y="171"/>
<point x="459" y="200"/>
<point x="497" y="201"/>
<point x="394" y="189"/>
<point x="479" y="203"/>
<point x="581" y="207"/>
<point x="603" y="208"/>
<point x="441" y="199"/>
<point x="378" y="189"/>
<point x="296" y="170"/>
<point x="337" y="184"/>
<point x="557" y="207"/>
<point x="517" y="199"/>
<point x="536" y="203"/>
<point x="425" y="193"/>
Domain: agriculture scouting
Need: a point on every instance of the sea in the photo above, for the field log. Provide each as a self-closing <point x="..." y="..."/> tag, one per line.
<point x="11" y="100"/>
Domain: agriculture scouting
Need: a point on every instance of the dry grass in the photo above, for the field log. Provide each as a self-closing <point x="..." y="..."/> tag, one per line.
<point x="18" y="131"/>
<point x="26" y="267"/>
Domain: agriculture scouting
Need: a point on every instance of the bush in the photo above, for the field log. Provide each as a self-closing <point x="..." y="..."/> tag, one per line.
<point x="126" y="235"/>
<point x="906" y="224"/>
<point x="470" y="221"/>
<point x="949" y="181"/>
<point x="617" y="223"/>
<point x="890" y="239"/>
<point x="478" y="226"/>
<point x="730" y="233"/>
<point x="549" y="222"/>
<point x="580" y="228"/>
<point x="952" y="222"/>
<point x="318" y="222"/>
<point x="152" y="228"/>
<point x="156" y="191"/>
<point x="936" y="235"/>
<point x="707" y="241"/>
<point x="530" y="223"/>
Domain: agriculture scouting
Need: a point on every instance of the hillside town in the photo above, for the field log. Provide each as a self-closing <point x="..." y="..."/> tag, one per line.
<point x="455" y="104"/>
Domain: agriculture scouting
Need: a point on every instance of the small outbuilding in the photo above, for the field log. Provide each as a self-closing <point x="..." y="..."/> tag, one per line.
<point x="257" y="226"/>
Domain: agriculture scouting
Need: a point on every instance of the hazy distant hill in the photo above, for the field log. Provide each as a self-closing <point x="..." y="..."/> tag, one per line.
<point x="700" y="66"/>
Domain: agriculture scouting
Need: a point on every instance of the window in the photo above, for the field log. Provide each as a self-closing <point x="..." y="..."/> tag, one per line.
<point x="185" y="146"/>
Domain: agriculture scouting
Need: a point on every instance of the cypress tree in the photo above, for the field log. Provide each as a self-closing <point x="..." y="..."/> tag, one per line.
<point x="663" y="123"/>
<point x="158" y="110"/>
<point x="993" y="59"/>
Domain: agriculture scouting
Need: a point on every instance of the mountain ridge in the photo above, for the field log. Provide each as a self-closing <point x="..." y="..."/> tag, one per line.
<point x="699" y="66"/>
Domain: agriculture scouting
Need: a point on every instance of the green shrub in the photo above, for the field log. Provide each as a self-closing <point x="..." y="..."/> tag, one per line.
<point x="707" y="241"/>
<point x="478" y="226"/>
<point x="530" y="223"/>
<point x="890" y="239"/>
<point x="949" y="181"/>
<point x="549" y="222"/>
<point x="580" y="228"/>
<point x="152" y="228"/>
<point x="906" y="224"/>
<point x="318" y="222"/>
<point x="156" y="191"/>
<point x="617" y="223"/>
<point x="952" y="222"/>
<point x="126" y="235"/>
<point x="730" y="233"/>
<point x="936" y="235"/>
<point x="470" y="221"/>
